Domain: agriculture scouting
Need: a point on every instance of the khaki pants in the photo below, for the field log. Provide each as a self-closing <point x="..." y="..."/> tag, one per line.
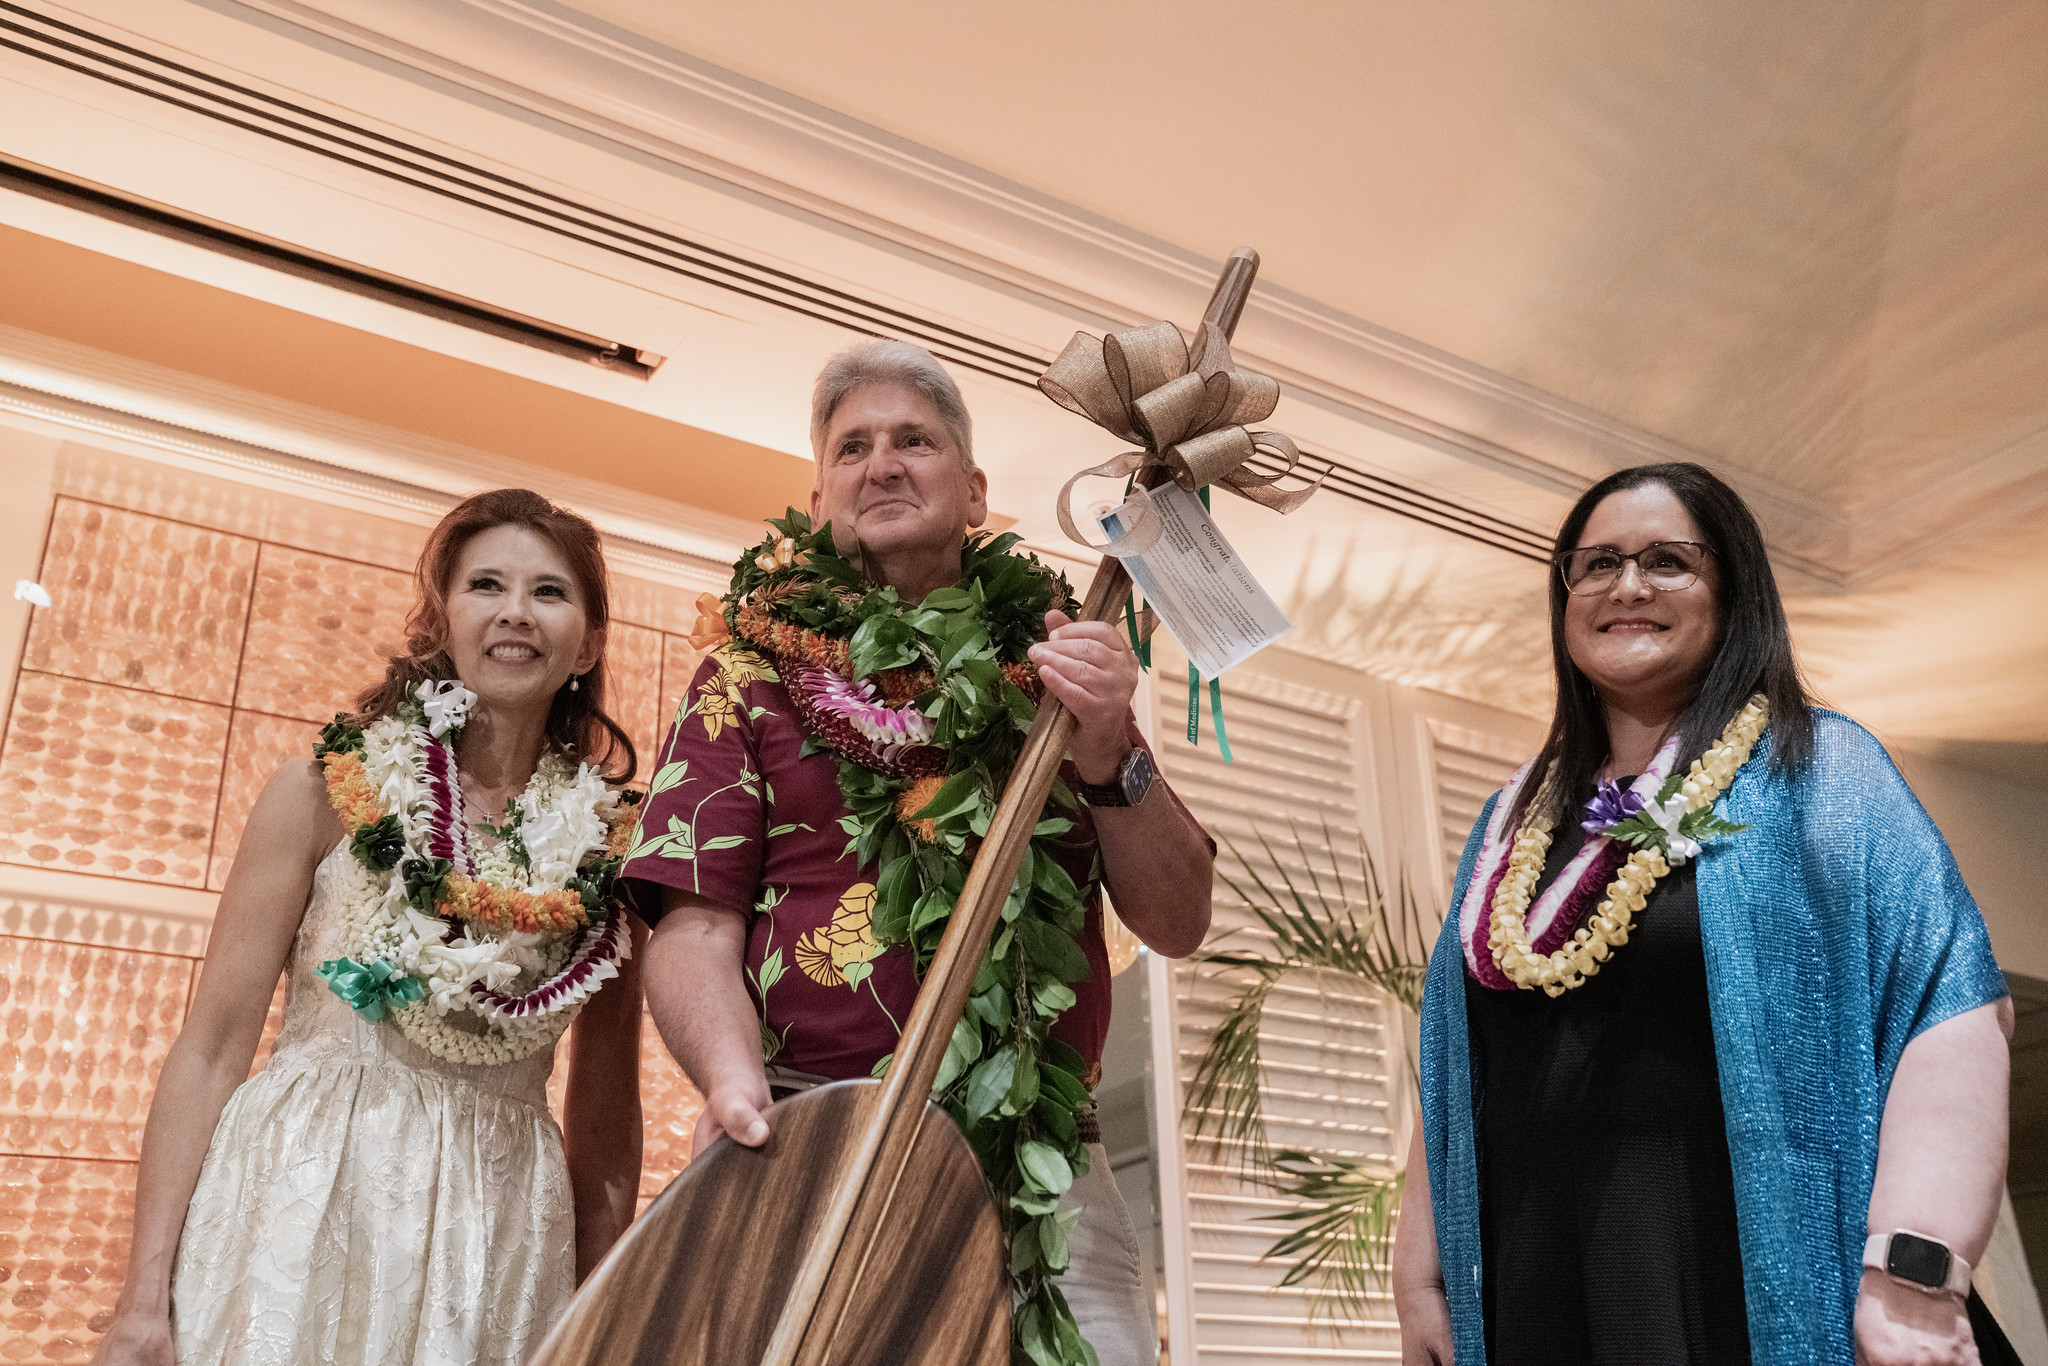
<point x="1104" y="1283"/>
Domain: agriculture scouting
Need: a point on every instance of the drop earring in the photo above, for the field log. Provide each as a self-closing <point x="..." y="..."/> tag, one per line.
<point x="575" y="683"/>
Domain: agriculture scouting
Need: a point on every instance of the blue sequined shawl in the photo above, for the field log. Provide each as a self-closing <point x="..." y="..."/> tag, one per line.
<point x="1836" y="929"/>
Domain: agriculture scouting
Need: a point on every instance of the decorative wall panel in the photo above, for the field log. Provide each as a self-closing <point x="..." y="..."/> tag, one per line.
<point x="98" y="779"/>
<point x="669" y="1107"/>
<point x="64" y="1231"/>
<point x="142" y="601"/>
<point x="633" y="683"/>
<point x="87" y="1029"/>
<point x="679" y="663"/>
<point x="257" y="746"/>
<point x="165" y="638"/>
<point x="319" y="630"/>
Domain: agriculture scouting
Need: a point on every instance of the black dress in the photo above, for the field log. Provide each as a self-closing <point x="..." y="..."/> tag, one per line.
<point x="1607" y="1203"/>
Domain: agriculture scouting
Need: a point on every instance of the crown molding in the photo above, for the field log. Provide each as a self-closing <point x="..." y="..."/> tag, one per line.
<point x="221" y="429"/>
<point x="579" y="72"/>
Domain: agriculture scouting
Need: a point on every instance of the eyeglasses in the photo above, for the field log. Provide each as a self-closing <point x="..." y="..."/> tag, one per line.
<point x="1667" y="566"/>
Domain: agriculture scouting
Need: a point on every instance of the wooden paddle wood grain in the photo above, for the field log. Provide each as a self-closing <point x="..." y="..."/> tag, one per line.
<point x="863" y="1231"/>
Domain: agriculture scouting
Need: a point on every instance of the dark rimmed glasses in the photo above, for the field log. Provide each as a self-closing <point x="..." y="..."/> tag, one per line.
<point x="1667" y="566"/>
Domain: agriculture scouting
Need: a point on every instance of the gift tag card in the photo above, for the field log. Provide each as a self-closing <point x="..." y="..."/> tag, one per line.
<point x="1199" y="586"/>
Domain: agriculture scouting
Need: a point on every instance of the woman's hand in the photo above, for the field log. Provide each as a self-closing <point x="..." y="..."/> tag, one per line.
<point x="1940" y="1172"/>
<point x="1897" y="1325"/>
<point x="1425" y="1317"/>
<point x="137" y="1340"/>
<point x="1089" y="669"/>
<point x="1419" y="1300"/>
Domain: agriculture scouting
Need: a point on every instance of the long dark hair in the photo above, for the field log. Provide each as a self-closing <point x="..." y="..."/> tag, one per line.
<point x="577" y="722"/>
<point x="1755" y="654"/>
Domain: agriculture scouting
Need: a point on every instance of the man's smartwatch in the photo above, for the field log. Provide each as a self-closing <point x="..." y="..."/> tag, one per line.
<point x="1134" y="778"/>
<point x="1917" y="1260"/>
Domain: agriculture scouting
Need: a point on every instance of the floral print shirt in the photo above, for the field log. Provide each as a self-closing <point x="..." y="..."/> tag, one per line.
<point x="738" y="815"/>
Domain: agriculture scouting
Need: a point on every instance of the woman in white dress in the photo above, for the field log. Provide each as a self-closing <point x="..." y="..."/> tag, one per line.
<point x="391" y="1187"/>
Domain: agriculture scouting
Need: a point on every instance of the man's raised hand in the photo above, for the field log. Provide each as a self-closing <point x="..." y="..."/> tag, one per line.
<point x="1089" y="668"/>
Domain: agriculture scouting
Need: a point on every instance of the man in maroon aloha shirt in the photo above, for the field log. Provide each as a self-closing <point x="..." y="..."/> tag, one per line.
<point x="763" y="974"/>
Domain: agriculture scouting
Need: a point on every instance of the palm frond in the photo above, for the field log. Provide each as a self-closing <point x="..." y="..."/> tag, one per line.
<point x="1342" y="1246"/>
<point x="1322" y="925"/>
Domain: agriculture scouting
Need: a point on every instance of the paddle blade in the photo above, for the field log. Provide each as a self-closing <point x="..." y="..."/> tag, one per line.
<point x="703" y="1277"/>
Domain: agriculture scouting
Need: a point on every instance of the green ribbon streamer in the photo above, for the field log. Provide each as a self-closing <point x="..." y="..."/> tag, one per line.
<point x="1216" y="715"/>
<point x="369" y="989"/>
<point x="1215" y="712"/>
<point x="1141" y="648"/>
<point x="1195" y="688"/>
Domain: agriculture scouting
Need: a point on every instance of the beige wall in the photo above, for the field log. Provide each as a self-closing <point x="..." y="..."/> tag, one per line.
<point x="27" y="463"/>
<point x="1995" y="823"/>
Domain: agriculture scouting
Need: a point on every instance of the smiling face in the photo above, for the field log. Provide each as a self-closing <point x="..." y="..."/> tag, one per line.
<point x="1644" y="649"/>
<point x="517" y="622"/>
<point x="891" y="471"/>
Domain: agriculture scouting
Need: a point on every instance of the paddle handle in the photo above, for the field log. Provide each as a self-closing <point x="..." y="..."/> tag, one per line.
<point x="833" y="1266"/>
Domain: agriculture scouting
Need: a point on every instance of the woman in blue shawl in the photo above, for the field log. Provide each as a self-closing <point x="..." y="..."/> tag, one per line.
<point x="1769" y="1024"/>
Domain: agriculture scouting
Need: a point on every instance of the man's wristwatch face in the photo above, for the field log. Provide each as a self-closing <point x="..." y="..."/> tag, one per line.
<point x="1136" y="775"/>
<point x="1920" y="1260"/>
<point x="1134" y="778"/>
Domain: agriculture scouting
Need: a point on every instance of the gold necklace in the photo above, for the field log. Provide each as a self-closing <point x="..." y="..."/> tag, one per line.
<point x="1608" y="928"/>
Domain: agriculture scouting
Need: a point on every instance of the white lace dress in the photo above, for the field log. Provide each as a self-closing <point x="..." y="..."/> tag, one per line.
<point x="364" y="1202"/>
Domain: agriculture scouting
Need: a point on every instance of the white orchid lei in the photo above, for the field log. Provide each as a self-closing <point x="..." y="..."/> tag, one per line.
<point x="480" y="954"/>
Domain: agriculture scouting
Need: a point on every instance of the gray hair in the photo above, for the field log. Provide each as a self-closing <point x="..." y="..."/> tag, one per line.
<point x="884" y="361"/>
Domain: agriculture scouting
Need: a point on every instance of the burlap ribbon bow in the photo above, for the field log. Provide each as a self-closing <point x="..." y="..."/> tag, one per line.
<point x="1188" y="410"/>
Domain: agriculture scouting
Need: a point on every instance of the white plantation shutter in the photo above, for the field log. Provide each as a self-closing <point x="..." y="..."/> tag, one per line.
<point x="1335" y="1074"/>
<point x="1471" y="765"/>
<point x="1322" y="752"/>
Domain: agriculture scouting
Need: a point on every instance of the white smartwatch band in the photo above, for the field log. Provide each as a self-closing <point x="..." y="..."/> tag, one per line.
<point x="1876" y="1255"/>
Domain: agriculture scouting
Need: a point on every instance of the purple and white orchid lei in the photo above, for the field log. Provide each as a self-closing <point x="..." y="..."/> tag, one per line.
<point x="852" y="718"/>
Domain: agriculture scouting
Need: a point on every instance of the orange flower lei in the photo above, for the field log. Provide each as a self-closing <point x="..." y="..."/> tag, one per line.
<point x="479" y="903"/>
<point x="800" y="645"/>
<point x="506" y="911"/>
<point x="349" y="791"/>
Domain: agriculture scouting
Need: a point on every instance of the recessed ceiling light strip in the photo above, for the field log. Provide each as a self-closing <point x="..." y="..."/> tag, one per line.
<point x="78" y="49"/>
<point x="1407" y="501"/>
<point x="101" y="202"/>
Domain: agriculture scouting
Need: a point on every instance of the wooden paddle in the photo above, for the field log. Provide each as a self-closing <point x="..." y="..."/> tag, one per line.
<point x="862" y="1233"/>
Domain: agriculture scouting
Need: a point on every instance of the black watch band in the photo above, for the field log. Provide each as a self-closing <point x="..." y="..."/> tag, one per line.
<point x="1134" y="779"/>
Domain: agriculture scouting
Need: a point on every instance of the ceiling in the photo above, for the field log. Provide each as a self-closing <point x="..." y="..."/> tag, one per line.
<point x="1798" y="242"/>
<point x="1804" y="240"/>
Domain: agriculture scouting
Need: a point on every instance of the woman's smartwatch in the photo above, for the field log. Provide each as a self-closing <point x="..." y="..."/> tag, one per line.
<point x="1917" y="1260"/>
<point x="1134" y="777"/>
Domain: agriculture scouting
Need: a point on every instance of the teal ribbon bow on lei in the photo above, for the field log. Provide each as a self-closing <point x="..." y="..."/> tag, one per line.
<point x="369" y="989"/>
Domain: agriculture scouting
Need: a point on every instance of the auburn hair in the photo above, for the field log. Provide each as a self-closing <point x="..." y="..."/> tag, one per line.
<point x="577" y="722"/>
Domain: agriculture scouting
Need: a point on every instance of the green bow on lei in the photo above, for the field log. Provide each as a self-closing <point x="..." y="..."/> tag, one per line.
<point x="369" y="989"/>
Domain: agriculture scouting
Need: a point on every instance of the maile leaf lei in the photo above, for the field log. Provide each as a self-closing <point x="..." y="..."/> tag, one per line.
<point x="1013" y="1089"/>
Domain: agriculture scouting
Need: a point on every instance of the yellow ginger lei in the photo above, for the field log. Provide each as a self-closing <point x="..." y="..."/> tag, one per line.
<point x="1608" y="927"/>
